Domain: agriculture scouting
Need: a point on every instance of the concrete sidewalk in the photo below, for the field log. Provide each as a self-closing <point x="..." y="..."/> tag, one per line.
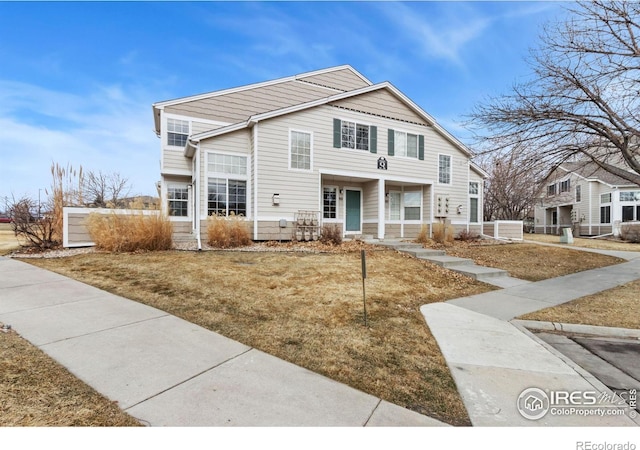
<point x="493" y="361"/>
<point x="169" y="372"/>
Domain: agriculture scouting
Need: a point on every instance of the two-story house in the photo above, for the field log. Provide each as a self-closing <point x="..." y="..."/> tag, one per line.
<point x="582" y="196"/>
<point x="359" y="155"/>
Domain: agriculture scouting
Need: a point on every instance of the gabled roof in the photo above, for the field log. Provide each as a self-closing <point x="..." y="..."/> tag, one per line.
<point x="323" y="101"/>
<point x="591" y="171"/>
<point x="324" y="82"/>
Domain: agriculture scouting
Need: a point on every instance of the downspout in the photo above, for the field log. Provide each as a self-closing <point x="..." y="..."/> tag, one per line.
<point x="197" y="197"/>
<point x="255" y="182"/>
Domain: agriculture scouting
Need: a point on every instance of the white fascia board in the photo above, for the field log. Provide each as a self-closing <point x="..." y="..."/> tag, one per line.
<point x="219" y="131"/>
<point x="479" y="170"/>
<point x="375" y="176"/>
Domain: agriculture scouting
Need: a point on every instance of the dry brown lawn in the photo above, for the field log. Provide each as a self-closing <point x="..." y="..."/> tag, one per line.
<point x="305" y="308"/>
<point x="37" y="391"/>
<point x="602" y="244"/>
<point x="8" y="241"/>
<point x="617" y="307"/>
<point x="530" y="261"/>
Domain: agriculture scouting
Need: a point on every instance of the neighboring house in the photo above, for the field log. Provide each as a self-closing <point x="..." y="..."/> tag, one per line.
<point x="359" y="155"/>
<point x="586" y="198"/>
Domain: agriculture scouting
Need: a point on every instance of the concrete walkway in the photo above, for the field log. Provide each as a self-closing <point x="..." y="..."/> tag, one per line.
<point x="169" y="372"/>
<point x="493" y="361"/>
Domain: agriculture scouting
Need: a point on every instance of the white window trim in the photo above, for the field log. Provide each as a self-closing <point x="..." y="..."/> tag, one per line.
<point x="165" y="136"/>
<point x="170" y="184"/>
<point x="395" y="149"/>
<point x="450" y="169"/>
<point x="477" y="197"/>
<point x="310" y="133"/>
<point x="356" y="122"/>
<point x="337" y="218"/>
<point x="228" y="176"/>
<point x="412" y="221"/>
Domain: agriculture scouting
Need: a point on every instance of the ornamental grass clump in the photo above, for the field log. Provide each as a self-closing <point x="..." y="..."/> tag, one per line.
<point x="130" y="232"/>
<point x="227" y="231"/>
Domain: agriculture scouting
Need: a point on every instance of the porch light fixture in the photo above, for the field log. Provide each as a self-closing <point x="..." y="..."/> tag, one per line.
<point x="275" y="199"/>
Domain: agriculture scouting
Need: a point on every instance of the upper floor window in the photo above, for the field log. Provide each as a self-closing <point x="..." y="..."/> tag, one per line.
<point x="565" y="186"/>
<point x="444" y="169"/>
<point x="178" y="198"/>
<point x="551" y="189"/>
<point x="605" y="198"/>
<point x="354" y="135"/>
<point x="578" y="193"/>
<point x="177" y="132"/>
<point x="473" y="188"/>
<point x="406" y="144"/>
<point x="300" y="150"/>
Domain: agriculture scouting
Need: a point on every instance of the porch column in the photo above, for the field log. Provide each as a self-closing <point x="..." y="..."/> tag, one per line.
<point x="381" y="197"/>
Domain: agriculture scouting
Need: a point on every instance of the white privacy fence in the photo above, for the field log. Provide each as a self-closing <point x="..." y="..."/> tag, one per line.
<point x="504" y="229"/>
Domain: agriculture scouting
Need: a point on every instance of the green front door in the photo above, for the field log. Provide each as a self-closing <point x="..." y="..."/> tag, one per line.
<point x="352" y="211"/>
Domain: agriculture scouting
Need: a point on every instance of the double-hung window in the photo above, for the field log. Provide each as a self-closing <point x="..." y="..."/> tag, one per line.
<point x="300" y="150"/>
<point x="578" y="194"/>
<point x="406" y="144"/>
<point x="565" y="186"/>
<point x="178" y="200"/>
<point x="354" y="135"/>
<point x="551" y="190"/>
<point x="473" y="201"/>
<point x="177" y="132"/>
<point x="412" y="205"/>
<point x="605" y="210"/>
<point x="444" y="169"/>
<point x="227" y="185"/>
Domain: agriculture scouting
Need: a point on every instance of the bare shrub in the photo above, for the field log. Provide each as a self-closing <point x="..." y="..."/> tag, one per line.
<point x="423" y="235"/>
<point x="130" y="232"/>
<point x="443" y="233"/>
<point x="468" y="235"/>
<point x="28" y="223"/>
<point x="331" y="234"/>
<point x="630" y="231"/>
<point x="227" y="232"/>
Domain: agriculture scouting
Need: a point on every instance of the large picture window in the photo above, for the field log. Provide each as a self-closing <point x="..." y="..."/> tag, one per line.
<point x="227" y="185"/>
<point x="177" y="132"/>
<point x="227" y="197"/>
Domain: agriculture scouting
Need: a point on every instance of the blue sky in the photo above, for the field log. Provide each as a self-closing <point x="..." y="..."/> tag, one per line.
<point x="77" y="80"/>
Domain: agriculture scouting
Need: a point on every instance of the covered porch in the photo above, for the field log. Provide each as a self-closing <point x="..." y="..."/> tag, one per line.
<point x="376" y="206"/>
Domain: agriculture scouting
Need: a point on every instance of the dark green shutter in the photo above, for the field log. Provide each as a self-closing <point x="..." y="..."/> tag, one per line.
<point x="391" y="145"/>
<point x="337" y="133"/>
<point x="421" y="147"/>
<point x="373" y="139"/>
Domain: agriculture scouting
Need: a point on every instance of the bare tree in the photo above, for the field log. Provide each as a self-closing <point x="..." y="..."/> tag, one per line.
<point x="583" y="101"/>
<point x="103" y="189"/>
<point x="511" y="188"/>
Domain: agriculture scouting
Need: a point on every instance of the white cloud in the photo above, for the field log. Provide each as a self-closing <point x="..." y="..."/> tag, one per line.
<point x="109" y="129"/>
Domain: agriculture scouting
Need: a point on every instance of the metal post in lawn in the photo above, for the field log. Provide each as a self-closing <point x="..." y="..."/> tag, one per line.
<point x="363" y="258"/>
